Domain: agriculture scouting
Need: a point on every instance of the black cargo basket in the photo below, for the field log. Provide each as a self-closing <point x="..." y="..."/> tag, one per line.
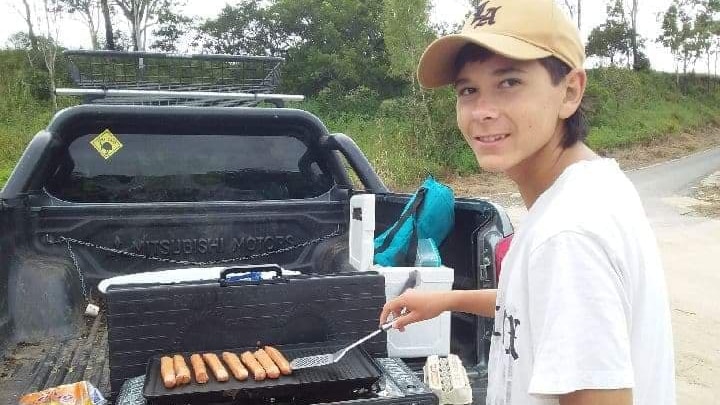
<point x="147" y="78"/>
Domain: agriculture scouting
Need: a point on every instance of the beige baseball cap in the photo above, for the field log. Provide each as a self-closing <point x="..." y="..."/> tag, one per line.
<point x="517" y="29"/>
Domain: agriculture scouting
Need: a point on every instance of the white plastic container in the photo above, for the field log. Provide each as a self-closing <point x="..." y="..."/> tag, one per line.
<point x="431" y="337"/>
<point x="362" y="231"/>
<point x="425" y="338"/>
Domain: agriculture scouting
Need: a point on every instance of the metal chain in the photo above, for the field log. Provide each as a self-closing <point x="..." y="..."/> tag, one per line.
<point x="68" y="240"/>
<point x="77" y="267"/>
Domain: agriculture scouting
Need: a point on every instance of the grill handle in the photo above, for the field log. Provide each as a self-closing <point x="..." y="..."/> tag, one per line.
<point x="251" y="274"/>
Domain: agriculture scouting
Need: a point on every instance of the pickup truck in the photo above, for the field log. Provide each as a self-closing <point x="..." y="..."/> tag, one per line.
<point x="168" y="187"/>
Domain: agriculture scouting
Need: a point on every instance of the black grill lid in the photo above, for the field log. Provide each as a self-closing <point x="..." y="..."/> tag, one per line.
<point x="356" y="370"/>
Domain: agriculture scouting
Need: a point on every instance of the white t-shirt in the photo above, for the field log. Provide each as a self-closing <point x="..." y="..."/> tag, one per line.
<point x="582" y="301"/>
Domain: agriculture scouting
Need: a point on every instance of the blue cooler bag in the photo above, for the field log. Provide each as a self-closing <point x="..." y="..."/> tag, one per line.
<point x="430" y="214"/>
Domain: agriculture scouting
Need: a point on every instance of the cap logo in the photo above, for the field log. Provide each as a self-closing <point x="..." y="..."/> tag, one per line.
<point x="483" y="16"/>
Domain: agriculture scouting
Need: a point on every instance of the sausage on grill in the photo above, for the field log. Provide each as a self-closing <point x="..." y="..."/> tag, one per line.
<point x="279" y="360"/>
<point x="253" y="365"/>
<point x="182" y="372"/>
<point x="198" y="365"/>
<point x="167" y="371"/>
<point x="270" y="368"/>
<point x="216" y="367"/>
<point x="235" y="365"/>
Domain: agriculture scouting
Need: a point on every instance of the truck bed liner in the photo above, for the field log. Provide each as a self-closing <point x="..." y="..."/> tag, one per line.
<point x="28" y="367"/>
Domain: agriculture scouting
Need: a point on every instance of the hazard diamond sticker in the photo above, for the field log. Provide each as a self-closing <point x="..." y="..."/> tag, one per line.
<point x="106" y="144"/>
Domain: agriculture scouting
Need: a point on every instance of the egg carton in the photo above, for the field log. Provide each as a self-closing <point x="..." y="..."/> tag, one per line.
<point x="448" y="379"/>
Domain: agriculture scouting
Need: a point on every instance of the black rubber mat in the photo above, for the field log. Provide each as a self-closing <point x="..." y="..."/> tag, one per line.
<point x="29" y="367"/>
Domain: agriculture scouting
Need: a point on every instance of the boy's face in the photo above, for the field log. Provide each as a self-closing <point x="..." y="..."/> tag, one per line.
<point x="508" y="110"/>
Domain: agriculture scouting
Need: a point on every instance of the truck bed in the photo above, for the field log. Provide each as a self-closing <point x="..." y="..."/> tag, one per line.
<point x="29" y="367"/>
<point x="71" y="218"/>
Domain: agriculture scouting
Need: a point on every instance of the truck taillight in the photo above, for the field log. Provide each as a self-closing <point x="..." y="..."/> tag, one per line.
<point x="500" y="251"/>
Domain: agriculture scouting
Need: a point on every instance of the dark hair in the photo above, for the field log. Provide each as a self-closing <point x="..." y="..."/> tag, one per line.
<point x="576" y="127"/>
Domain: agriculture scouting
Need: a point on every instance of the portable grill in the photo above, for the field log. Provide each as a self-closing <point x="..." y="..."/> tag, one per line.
<point x="301" y="316"/>
<point x="354" y="372"/>
<point x="396" y="384"/>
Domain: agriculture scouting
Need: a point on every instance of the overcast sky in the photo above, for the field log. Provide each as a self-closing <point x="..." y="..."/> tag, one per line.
<point x="73" y="34"/>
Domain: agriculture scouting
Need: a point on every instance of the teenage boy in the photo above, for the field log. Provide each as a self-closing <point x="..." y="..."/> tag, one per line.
<point x="581" y="310"/>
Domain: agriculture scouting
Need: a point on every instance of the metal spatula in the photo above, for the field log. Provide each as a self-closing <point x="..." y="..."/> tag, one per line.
<point x="326" y="359"/>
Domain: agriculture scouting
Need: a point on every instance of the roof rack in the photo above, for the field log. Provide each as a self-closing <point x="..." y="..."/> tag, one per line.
<point x="148" y="78"/>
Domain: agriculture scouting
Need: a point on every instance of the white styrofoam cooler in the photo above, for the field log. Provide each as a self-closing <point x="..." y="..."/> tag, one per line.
<point x="430" y="337"/>
<point x="423" y="338"/>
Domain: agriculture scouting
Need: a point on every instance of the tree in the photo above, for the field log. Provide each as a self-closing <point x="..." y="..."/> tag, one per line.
<point x="247" y="29"/>
<point x="579" y="14"/>
<point x="47" y="20"/>
<point x="89" y="11"/>
<point x="20" y="41"/>
<point x="713" y="9"/>
<point x="575" y="11"/>
<point x="704" y="38"/>
<point x="338" y="44"/>
<point x="335" y="45"/>
<point x="28" y="20"/>
<point x="635" y="36"/>
<point x="680" y="36"/>
<point x="107" y="17"/>
<point x="171" y="28"/>
<point x="142" y="14"/>
<point x="670" y="36"/>
<point x="406" y="31"/>
<point x="613" y="38"/>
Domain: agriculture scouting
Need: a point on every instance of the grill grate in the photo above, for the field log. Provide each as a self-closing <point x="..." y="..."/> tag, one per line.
<point x="355" y="371"/>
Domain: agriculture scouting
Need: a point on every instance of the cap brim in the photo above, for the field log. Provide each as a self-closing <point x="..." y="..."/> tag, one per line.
<point x="436" y="67"/>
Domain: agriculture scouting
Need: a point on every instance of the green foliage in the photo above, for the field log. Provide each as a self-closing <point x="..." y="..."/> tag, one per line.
<point x="406" y="34"/>
<point x="345" y="50"/>
<point x="619" y="88"/>
<point x="691" y="30"/>
<point x="245" y="29"/>
<point x="334" y="102"/>
<point x="171" y="29"/>
<point x="337" y="45"/>
<point x="21" y="114"/>
<point x="613" y="38"/>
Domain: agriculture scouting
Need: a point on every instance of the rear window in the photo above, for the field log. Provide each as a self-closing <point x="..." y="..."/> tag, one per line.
<point x="190" y="168"/>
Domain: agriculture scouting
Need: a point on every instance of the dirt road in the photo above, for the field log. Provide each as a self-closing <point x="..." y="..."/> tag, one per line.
<point x="690" y="247"/>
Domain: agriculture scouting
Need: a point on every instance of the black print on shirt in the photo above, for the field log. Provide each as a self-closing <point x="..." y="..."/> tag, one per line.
<point x="508" y="333"/>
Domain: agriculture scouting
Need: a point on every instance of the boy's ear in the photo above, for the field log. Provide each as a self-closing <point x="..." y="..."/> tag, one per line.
<point x="574" y="84"/>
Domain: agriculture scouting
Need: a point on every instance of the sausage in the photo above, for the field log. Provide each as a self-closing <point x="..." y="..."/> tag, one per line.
<point x="279" y="360"/>
<point x="216" y="367"/>
<point x="253" y="365"/>
<point x="182" y="372"/>
<point x="235" y="365"/>
<point x="167" y="371"/>
<point x="270" y="368"/>
<point x="198" y="365"/>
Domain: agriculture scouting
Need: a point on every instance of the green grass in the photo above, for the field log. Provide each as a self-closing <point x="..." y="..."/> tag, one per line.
<point x="406" y="139"/>
<point x="642" y="124"/>
<point x="635" y="108"/>
<point x="22" y="114"/>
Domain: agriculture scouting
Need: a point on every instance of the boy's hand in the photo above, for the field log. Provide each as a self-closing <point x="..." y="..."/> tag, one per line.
<point x="414" y="306"/>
